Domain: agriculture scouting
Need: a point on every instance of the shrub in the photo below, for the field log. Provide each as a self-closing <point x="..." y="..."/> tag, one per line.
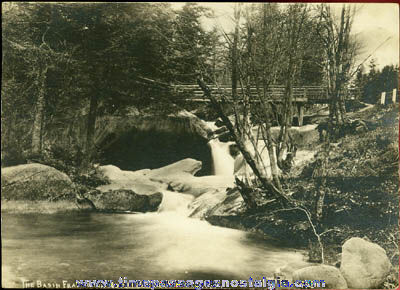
<point x="70" y="160"/>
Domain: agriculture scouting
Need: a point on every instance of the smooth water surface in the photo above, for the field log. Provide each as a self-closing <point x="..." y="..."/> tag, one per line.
<point x="164" y="245"/>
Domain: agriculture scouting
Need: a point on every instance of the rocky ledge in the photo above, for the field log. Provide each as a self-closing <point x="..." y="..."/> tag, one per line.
<point x="39" y="188"/>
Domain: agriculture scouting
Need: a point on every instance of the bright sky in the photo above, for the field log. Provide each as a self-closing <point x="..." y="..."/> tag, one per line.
<point x="373" y="24"/>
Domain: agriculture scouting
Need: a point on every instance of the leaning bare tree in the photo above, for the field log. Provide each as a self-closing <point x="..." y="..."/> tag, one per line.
<point x="244" y="55"/>
<point x="268" y="49"/>
<point x="266" y="46"/>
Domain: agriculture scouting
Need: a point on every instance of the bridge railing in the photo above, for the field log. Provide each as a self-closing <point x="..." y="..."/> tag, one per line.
<point x="273" y="92"/>
<point x="300" y="94"/>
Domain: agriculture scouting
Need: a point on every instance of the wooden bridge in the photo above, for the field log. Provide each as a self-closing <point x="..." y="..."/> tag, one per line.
<point x="301" y="95"/>
<point x="275" y="93"/>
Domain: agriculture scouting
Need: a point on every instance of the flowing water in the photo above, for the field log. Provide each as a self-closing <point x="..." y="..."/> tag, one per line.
<point x="162" y="245"/>
<point x="223" y="163"/>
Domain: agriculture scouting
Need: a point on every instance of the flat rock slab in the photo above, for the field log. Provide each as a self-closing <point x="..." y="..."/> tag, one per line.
<point x="216" y="202"/>
<point x="137" y="181"/>
<point x="148" y="181"/>
<point x="114" y="174"/>
<point x="194" y="185"/>
<point x="183" y="167"/>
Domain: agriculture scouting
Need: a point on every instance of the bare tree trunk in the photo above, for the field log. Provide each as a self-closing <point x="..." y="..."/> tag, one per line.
<point x="340" y="52"/>
<point x="240" y="115"/>
<point x="272" y="155"/>
<point x="246" y="193"/>
<point x="39" y="112"/>
<point x="234" y="59"/>
<point x="287" y="122"/>
<point x="320" y="174"/>
<point x="342" y="108"/>
<point x="90" y="130"/>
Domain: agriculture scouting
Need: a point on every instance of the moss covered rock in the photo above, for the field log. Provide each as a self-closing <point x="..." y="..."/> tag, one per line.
<point x="35" y="182"/>
<point x="124" y="200"/>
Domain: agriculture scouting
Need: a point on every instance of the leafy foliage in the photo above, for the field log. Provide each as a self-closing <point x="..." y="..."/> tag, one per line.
<point x="69" y="161"/>
<point x="376" y="81"/>
<point x="92" y="59"/>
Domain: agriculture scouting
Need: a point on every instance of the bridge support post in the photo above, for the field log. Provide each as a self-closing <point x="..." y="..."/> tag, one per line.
<point x="383" y="97"/>
<point x="300" y="109"/>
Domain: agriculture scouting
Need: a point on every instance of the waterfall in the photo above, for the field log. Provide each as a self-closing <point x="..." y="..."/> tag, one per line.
<point x="223" y="162"/>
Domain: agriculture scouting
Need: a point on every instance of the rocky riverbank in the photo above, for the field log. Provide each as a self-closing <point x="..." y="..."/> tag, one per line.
<point x="361" y="201"/>
<point x="43" y="189"/>
<point x="40" y="188"/>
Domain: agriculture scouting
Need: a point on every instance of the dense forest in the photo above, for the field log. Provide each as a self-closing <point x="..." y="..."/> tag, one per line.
<point x="65" y="63"/>
<point x="376" y="81"/>
<point x="67" y="60"/>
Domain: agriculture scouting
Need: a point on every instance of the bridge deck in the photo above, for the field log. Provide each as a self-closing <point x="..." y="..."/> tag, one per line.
<point x="305" y="94"/>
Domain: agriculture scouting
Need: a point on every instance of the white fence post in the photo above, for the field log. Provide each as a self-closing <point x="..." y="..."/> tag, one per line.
<point x="394" y="96"/>
<point x="383" y="97"/>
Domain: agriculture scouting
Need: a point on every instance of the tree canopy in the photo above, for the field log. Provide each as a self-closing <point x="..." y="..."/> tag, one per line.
<point x="63" y="61"/>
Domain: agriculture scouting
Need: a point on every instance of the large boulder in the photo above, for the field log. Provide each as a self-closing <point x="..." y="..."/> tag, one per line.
<point x="35" y="182"/>
<point x="110" y="128"/>
<point x="330" y="275"/>
<point x="364" y="264"/>
<point x="124" y="200"/>
<point x="176" y="177"/>
<point x="240" y="165"/>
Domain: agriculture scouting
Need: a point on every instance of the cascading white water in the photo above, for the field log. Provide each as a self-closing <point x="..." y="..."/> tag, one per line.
<point x="170" y="235"/>
<point x="175" y="202"/>
<point x="163" y="245"/>
<point x="223" y="162"/>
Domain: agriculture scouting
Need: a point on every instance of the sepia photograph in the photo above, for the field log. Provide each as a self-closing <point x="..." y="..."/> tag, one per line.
<point x="200" y="145"/>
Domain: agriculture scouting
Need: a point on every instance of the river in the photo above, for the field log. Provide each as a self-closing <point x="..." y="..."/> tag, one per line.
<point x="167" y="244"/>
<point x="162" y="245"/>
